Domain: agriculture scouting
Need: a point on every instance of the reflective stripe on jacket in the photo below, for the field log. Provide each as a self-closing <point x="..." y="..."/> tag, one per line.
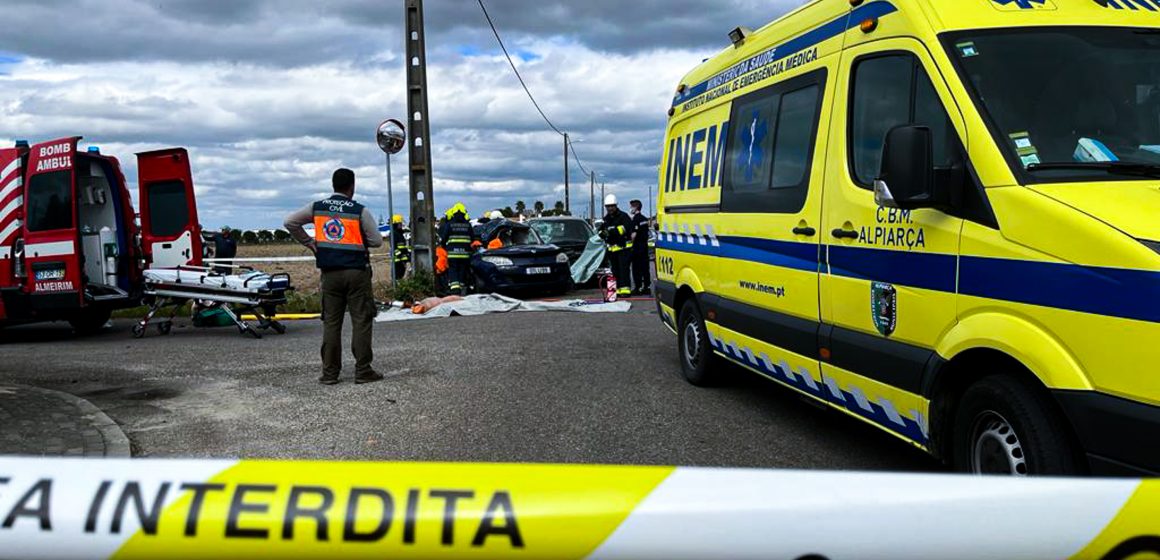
<point x="458" y="237"/>
<point x="617" y="227"/>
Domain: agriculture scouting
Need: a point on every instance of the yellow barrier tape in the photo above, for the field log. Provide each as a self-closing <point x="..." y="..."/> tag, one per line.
<point x="1135" y="532"/>
<point x="54" y="508"/>
<point x="365" y="510"/>
<point x="287" y="317"/>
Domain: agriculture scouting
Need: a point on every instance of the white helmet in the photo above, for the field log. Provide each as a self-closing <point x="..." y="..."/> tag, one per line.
<point x="610" y="200"/>
<point x="496" y="215"/>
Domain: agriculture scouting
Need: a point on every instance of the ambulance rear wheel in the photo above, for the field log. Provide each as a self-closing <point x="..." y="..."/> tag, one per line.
<point x="90" y="321"/>
<point x="697" y="359"/>
<point x="1004" y="427"/>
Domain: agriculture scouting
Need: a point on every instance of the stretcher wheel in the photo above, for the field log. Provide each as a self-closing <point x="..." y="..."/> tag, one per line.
<point x="278" y="327"/>
<point x="138" y="330"/>
<point x="164" y="328"/>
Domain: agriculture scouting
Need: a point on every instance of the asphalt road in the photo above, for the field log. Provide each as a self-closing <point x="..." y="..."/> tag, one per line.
<point x="533" y="387"/>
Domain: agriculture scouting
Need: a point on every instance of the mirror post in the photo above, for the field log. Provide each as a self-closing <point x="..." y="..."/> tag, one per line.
<point x="391" y="137"/>
<point x="391" y="223"/>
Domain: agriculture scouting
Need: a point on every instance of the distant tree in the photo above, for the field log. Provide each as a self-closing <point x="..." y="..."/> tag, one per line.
<point x="507" y="212"/>
<point x="281" y="235"/>
<point x="265" y="236"/>
<point x="539" y="206"/>
<point x="521" y="207"/>
<point x="249" y="238"/>
<point x="558" y="210"/>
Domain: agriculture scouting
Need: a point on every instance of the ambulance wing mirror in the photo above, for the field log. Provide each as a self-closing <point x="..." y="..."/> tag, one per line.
<point x="907" y="180"/>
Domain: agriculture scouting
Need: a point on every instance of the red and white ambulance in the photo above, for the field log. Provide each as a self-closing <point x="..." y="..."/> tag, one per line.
<point x="71" y="245"/>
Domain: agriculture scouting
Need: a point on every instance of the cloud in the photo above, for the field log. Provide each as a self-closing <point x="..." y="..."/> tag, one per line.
<point x="270" y="97"/>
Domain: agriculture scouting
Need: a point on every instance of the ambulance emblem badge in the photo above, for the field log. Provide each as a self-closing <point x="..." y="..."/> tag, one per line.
<point x="884" y="307"/>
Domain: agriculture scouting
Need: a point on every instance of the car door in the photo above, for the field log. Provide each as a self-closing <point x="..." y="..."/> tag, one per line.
<point x="765" y="314"/>
<point x="891" y="275"/>
<point x="52" y="261"/>
<point x="170" y="232"/>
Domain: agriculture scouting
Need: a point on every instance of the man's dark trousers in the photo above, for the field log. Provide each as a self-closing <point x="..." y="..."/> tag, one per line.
<point x="621" y="262"/>
<point x="342" y="291"/>
<point x="641" y="275"/>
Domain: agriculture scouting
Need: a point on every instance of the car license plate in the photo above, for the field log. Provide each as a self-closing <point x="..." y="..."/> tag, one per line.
<point x="540" y="270"/>
<point x="50" y="274"/>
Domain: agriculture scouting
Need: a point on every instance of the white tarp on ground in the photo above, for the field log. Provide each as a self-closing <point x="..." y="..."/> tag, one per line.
<point x="495" y="303"/>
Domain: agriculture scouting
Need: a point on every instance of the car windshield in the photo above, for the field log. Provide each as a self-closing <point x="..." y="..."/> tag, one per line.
<point x="1068" y="103"/>
<point x="516" y="236"/>
<point x="562" y="231"/>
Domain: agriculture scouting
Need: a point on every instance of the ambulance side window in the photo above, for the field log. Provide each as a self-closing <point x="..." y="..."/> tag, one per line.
<point x="772" y="134"/>
<point x="168" y="209"/>
<point x="888" y="91"/>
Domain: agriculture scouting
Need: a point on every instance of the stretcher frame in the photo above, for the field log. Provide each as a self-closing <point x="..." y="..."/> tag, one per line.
<point x="262" y="304"/>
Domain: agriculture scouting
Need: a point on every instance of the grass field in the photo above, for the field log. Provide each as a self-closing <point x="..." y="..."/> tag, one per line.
<point x="304" y="275"/>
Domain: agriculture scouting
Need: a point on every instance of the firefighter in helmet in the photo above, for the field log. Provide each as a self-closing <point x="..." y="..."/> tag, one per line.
<point x="458" y="238"/>
<point x="402" y="252"/>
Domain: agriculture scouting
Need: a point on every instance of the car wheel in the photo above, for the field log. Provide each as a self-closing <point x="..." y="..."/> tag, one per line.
<point x="696" y="354"/>
<point x="1003" y="427"/>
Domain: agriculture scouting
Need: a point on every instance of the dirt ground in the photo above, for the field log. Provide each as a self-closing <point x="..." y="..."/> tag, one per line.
<point x="304" y="276"/>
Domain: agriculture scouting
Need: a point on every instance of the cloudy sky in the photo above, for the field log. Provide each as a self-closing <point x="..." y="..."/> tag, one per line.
<point x="270" y="96"/>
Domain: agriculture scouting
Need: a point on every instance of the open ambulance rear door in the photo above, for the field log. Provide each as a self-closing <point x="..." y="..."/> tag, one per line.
<point x="170" y="232"/>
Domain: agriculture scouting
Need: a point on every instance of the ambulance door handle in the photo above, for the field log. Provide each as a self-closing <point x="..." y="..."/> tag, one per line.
<point x="845" y="233"/>
<point x="805" y="230"/>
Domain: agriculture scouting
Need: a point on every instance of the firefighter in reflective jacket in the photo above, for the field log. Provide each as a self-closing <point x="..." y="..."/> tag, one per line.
<point x="617" y="232"/>
<point x="402" y="251"/>
<point x="458" y="237"/>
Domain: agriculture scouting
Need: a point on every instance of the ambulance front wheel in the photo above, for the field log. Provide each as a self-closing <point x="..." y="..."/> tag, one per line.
<point x="697" y="359"/>
<point x="1004" y="427"/>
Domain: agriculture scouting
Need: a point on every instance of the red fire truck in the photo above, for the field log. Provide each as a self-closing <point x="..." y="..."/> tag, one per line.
<point x="71" y="245"/>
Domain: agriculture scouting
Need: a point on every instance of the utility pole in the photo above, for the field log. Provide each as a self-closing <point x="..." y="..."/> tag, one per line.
<point x="567" y="198"/>
<point x="602" y="191"/>
<point x="422" y="191"/>
<point x="592" y="197"/>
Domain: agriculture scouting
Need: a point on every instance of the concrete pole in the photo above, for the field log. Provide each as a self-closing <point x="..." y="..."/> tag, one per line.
<point x="567" y="197"/>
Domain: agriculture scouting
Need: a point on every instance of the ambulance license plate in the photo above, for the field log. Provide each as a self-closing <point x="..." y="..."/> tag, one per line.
<point x="540" y="270"/>
<point x="50" y="274"/>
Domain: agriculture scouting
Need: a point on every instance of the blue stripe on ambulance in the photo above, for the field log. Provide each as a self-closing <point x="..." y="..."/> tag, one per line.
<point x="808" y="40"/>
<point x="1111" y="292"/>
<point x="883" y="412"/>
<point x="785" y="254"/>
<point x="1114" y="292"/>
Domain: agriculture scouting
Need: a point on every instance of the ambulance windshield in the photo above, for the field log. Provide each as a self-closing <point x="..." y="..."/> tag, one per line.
<point x="1068" y="103"/>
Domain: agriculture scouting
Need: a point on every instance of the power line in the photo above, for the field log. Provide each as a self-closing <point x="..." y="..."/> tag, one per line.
<point x="572" y="146"/>
<point x="514" y="69"/>
<point x="490" y="23"/>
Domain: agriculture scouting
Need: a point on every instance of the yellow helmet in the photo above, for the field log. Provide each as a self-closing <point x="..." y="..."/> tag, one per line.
<point x="397" y="219"/>
<point x="456" y="209"/>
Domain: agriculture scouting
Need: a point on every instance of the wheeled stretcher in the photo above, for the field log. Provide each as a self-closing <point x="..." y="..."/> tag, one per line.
<point x="249" y="292"/>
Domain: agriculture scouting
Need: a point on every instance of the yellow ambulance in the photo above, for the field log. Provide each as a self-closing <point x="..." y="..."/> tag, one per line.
<point x="939" y="217"/>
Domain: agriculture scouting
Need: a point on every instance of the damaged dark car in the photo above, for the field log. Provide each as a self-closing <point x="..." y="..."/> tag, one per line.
<point x="517" y="261"/>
